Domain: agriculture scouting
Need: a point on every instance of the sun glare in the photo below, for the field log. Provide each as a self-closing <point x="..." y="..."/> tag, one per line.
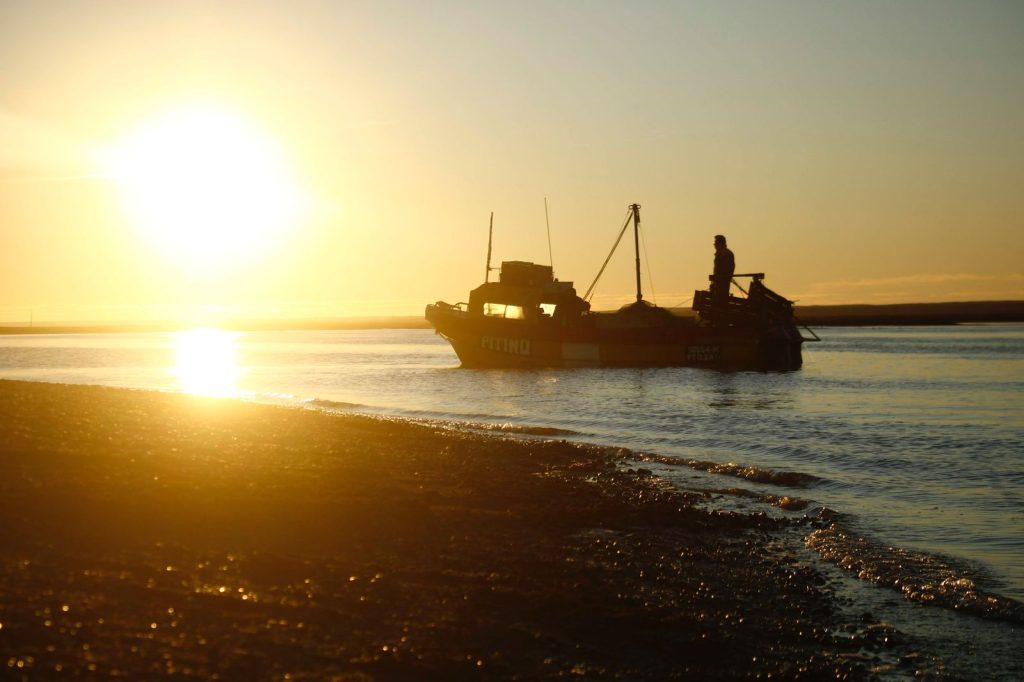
<point x="206" y="362"/>
<point x="211" y="190"/>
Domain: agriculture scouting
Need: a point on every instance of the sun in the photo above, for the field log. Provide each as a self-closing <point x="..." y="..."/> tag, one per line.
<point x="206" y="362"/>
<point x="209" y="189"/>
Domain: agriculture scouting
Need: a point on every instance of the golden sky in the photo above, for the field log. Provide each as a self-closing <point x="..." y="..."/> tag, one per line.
<point x="168" y="160"/>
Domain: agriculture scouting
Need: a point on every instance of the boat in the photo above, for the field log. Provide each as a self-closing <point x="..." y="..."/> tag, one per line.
<point x="530" y="319"/>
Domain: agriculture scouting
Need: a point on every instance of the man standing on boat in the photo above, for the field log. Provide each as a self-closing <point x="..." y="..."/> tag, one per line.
<point x="725" y="266"/>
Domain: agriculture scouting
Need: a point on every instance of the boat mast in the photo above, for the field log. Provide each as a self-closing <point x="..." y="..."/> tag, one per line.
<point x="635" y="208"/>
<point x="551" y="259"/>
<point x="490" y="235"/>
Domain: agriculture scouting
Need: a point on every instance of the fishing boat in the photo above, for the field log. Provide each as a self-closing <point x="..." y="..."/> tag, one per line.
<point x="528" y="318"/>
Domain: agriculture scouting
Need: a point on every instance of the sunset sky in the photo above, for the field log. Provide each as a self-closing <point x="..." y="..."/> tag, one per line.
<point x="177" y="160"/>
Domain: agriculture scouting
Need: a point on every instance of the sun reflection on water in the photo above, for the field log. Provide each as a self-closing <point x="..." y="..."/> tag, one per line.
<point x="206" y="362"/>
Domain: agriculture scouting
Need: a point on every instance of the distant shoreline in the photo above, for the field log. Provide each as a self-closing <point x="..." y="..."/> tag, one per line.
<point x="912" y="313"/>
<point x="324" y="324"/>
<point x="812" y="315"/>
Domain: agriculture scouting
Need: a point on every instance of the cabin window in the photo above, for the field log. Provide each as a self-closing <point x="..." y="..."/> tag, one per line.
<point x="547" y="309"/>
<point x="509" y="312"/>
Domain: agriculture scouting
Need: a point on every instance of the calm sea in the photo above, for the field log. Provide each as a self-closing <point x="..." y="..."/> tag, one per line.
<point x="915" y="434"/>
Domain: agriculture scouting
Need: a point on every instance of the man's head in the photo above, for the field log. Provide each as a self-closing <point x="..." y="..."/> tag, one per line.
<point x="719" y="241"/>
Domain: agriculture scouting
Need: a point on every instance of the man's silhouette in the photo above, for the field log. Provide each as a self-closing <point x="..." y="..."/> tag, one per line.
<point x="725" y="266"/>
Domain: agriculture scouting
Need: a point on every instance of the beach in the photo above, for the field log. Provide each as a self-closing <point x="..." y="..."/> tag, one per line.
<point x="153" y="535"/>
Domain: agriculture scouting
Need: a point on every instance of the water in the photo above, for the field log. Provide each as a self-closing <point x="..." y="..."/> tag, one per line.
<point x="915" y="434"/>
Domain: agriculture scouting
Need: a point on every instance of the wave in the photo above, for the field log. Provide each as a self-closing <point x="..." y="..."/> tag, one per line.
<point x="489" y="427"/>
<point x="922" y="578"/>
<point x="521" y="428"/>
<point x="786" y="479"/>
<point x="452" y="424"/>
<point x="505" y="427"/>
<point x="335" y="404"/>
<point x="784" y="502"/>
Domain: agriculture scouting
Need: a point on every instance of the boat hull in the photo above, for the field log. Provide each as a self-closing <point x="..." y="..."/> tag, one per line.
<point x="608" y="340"/>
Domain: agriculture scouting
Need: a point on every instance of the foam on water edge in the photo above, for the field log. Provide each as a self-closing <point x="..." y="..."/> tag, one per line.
<point x="920" y="577"/>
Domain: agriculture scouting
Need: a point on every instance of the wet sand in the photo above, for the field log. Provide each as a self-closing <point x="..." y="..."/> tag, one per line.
<point x="150" y="535"/>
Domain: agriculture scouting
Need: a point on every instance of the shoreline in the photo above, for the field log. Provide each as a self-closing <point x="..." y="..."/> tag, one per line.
<point x="207" y="536"/>
<point x="244" y="540"/>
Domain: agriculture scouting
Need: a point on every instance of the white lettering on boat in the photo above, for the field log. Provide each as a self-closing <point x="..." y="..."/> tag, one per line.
<point x="505" y="345"/>
<point x="707" y="353"/>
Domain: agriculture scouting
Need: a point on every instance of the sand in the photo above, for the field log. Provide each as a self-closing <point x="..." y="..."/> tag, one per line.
<point x="149" y="535"/>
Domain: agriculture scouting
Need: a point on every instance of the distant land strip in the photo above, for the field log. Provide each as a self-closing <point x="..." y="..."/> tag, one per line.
<point x="811" y="315"/>
<point x="314" y="324"/>
<point x="912" y="313"/>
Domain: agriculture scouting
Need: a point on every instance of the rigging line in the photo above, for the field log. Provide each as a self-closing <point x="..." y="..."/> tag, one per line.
<point x="590" y="290"/>
<point x="801" y="323"/>
<point x="647" y="264"/>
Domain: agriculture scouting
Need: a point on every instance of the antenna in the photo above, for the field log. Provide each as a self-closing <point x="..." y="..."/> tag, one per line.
<point x="490" y="236"/>
<point x="551" y="259"/>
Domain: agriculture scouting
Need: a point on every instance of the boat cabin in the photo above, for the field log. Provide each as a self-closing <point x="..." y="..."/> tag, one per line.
<point x="526" y="291"/>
